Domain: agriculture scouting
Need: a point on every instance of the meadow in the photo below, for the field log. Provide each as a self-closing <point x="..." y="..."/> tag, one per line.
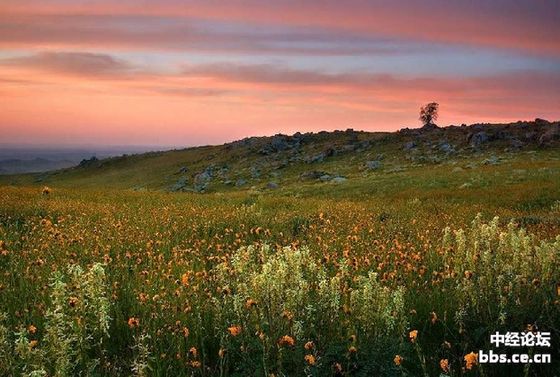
<point x="402" y="274"/>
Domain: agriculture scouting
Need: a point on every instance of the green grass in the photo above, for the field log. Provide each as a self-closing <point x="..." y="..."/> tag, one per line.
<point x="322" y="261"/>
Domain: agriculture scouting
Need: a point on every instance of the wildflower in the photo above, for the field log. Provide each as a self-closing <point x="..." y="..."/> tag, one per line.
<point x="398" y="360"/>
<point x="352" y="350"/>
<point x="193" y="352"/>
<point x="32" y="329"/>
<point x="221" y="353"/>
<point x="46" y="190"/>
<point x="234" y="330"/>
<point x="288" y="315"/>
<point x="468" y="274"/>
<point x="470" y="360"/>
<point x="185" y="279"/>
<point x="185" y="332"/>
<point x="142" y="297"/>
<point x="352" y="338"/>
<point x="72" y="301"/>
<point x="195" y="364"/>
<point x="133" y="322"/>
<point x="310" y="359"/>
<point x="309" y="345"/>
<point x="250" y="303"/>
<point x="337" y="368"/>
<point x="33" y="344"/>
<point x="413" y="335"/>
<point x="444" y="365"/>
<point x="286" y="340"/>
<point x="433" y="317"/>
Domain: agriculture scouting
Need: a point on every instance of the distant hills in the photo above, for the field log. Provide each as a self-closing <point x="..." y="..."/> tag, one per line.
<point x="32" y="159"/>
<point x="338" y="157"/>
<point x="17" y="166"/>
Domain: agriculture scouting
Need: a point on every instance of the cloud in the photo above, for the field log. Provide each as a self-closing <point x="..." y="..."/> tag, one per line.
<point x="73" y="63"/>
<point x="526" y="25"/>
<point x="277" y="75"/>
<point x="140" y="32"/>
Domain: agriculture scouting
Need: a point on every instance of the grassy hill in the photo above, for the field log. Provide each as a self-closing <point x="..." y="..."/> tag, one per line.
<point x="332" y="254"/>
<point x="323" y="160"/>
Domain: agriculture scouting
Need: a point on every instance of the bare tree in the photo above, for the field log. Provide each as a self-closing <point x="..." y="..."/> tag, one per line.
<point x="429" y="113"/>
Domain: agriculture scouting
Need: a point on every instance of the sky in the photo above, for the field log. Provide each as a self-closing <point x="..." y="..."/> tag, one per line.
<point x="182" y="73"/>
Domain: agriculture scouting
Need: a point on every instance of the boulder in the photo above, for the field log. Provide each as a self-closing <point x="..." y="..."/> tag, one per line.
<point x="272" y="185"/>
<point x="312" y="174"/>
<point x="410" y="145"/>
<point x="180" y="185"/>
<point x="445" y="147"/>
<point x="321" y="156"/>
<point x="255" y="172"/>
<point x="478" y="138"/>
<point x="373" y="165"/>
<point x="552" y="133"/>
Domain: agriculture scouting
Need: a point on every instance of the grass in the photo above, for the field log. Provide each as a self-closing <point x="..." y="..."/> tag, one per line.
<point x="312" y="278"/>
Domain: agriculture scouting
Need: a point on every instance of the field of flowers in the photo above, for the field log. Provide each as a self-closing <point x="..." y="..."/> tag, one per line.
<point x="256" y="284"/>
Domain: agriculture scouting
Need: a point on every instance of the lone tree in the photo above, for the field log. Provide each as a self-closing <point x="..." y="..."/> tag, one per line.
<point x="429" y="113"/>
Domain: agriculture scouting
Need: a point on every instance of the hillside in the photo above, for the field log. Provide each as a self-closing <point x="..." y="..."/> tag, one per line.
<point x="337" y="158"/>
<point x="362" y="254"/>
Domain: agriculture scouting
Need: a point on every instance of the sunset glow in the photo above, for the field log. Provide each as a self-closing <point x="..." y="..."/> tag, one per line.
<point x="176" y="73"/>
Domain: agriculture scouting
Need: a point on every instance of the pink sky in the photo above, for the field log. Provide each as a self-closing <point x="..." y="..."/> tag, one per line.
<point x="185" y="73"/>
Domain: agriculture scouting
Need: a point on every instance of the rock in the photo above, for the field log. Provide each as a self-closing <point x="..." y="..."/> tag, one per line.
<point x="325" y="178"/>
<point x="373" y="165"/>
<point x="89" y="162"/>
<point x="180" y="185"/>
<point x="255" y="172"/>
<point x="240" y="182"/>
<point x="200" y="187"/>
<point x="339" y="180"/>
<point x="313" y="174"/>
<point x="272" y="185"/>
<point x="321" y="156"/>
<point x="429" y="127"/>
<point x="279" y="143"/>
<point x="531" y="135"/>
<point x="478" y="138"/>
<point x="492" y="160"/>
<point x="446" y="147"/>
<point x="457" y="169"/>
<point x="183" y="169"/>
<point x="552" y="133"/>
<point x="202" y="180"/>
<point x="205" y="176"/>
<point x="410" y="145"/>
<point x="541" y="122"/>
<point x="516" y="143"/>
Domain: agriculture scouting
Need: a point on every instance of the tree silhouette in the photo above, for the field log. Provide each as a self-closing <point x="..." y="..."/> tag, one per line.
<point x="429" y="113"/>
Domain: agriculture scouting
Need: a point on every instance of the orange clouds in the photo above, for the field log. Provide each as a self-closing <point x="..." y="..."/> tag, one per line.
<point x="187" y="72"/>
<point x="60" y="99"/>
<point x="526" y="25"/>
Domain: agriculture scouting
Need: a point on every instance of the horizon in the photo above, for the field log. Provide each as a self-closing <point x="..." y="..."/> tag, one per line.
<point x="136" y="148"/>
<point x="178" y="74"/>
